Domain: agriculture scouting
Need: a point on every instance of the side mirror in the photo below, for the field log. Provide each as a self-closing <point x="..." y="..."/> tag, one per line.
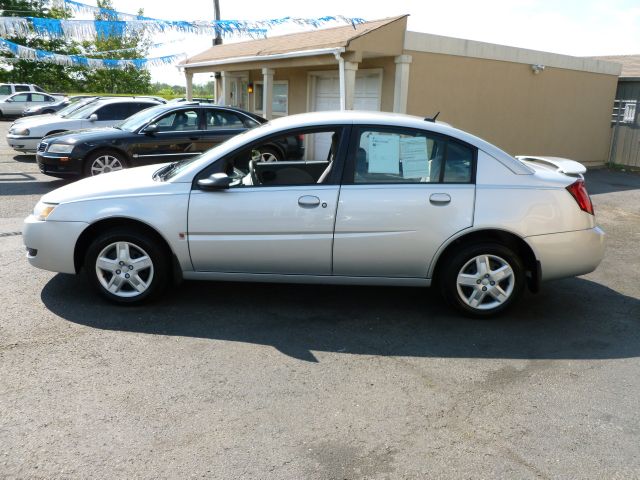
<point x="151" y="128"/>
<point x="93" y="117"/>
<point x="217" y="181"/>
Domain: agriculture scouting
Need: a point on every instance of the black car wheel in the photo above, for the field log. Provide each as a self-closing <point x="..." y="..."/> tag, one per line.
<point x="103" y="162"/>
<point x="126" y="266"/>
<point x="268" y="154"/>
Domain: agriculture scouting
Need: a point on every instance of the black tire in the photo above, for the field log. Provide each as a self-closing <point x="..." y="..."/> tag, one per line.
<point x="269" y="154"/>
<point x="142" y="250"/>
<point x="91" y="166"/>
<point x="484" y="299"/>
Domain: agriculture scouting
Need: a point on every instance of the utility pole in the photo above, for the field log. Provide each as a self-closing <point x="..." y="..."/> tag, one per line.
<point x="216" y="15"/>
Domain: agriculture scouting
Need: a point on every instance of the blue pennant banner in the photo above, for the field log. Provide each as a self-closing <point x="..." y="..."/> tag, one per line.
<point x="34" y="54"/>
<point x="92" y="29"/>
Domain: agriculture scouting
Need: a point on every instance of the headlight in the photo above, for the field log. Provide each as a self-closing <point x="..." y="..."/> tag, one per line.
<point x="60" y="148"/>
<point x="21" y="131"/>
<point x="43" y="210"/>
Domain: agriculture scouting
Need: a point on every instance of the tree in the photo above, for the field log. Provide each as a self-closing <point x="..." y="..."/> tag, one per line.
<point x="55" y="78"/>
<point x="127" y="80"/>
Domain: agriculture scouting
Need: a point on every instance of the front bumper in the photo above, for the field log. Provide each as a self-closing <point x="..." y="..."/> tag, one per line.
<point x="568" y="254"/>
<point x="23" y="144"/>
<point x="51" y="245"/>
<point x="59" y="165"/>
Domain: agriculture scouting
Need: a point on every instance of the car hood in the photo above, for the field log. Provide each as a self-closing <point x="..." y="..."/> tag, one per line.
<point x="123" y="183"/>
<point x="88" y="135"/>
<point x="43" y="120"/>
<point x="32" y="118"/>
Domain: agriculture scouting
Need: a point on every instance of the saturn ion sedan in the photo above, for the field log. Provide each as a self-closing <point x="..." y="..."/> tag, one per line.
<point x="378" y="199"/>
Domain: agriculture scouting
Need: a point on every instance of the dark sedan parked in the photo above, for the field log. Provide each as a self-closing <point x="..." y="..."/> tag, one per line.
<point x="159" y="134"/>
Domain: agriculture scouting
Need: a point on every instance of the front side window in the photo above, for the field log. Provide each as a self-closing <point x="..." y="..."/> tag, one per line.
<point x="182" y="120"/>
<point x="410" y="156"/>
<point x="113" y="111"/>
<point x="5" y="90"/>
<point x="23" y="97"/>
<point x="303" y="157"/>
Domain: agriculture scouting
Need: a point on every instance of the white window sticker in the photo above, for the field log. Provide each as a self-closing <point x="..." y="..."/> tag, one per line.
<point x="384" y="154"/>
<point x="413" y="154"/>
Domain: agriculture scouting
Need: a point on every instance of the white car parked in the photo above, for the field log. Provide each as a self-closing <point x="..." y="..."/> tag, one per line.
<point x="14" y="105"/>
<point x="24" y="136"/>
<point x="379" y="199"/>
<point x="7" y="89"/>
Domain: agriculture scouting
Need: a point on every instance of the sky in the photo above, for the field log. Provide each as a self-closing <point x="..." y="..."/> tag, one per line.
<point x="572" y="27"/>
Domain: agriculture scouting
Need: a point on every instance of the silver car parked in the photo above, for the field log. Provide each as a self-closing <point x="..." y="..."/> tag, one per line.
<point x="378" y="199"/>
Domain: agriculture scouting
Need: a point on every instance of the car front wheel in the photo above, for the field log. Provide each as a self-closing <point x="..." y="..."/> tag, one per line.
<point x="103" y="162"/>
<point x="483" y="280"/>
<point x="127" y="267"/>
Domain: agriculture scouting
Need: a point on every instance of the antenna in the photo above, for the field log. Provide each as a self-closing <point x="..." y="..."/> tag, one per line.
<point x="432" y="119"/>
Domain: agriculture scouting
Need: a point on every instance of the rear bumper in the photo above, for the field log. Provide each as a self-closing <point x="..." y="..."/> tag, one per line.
<point x="568" y="254"/>
<point x="51" y="245"/>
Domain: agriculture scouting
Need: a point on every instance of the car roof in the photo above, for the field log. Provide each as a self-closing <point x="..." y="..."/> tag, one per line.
<point x="105" y="101"/>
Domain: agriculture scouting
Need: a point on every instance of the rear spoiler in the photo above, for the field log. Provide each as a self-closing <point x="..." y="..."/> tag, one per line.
<point x="561" y="165"/>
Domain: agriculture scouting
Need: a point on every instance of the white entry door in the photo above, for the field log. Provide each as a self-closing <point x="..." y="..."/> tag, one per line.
<point x="327" y="97"/>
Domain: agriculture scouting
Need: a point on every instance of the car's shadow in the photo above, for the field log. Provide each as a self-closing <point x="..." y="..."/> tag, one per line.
<point x="25" y="184"/>
<point x="25" y="158"/>
<point x="570" y="319"/>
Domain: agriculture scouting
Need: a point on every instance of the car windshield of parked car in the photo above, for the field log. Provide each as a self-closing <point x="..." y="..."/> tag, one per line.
<point x="82" y="112"/>
<point x="139" y="120"/>
<point x="69" y="109"/>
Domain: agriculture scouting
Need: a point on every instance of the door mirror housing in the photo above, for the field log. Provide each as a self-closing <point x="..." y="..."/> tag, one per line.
<point x="151" y="129"/>
<point x="93" y="117"/>
<point x="216" y="181"/>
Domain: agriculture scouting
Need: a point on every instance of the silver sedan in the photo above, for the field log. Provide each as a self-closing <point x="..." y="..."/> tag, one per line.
<point x="377" y="199"/>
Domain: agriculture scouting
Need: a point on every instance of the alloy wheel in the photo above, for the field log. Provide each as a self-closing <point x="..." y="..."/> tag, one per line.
<point x="485" y="282"/>
<point x="105" y="164"/>
<point x="124" y="269"/>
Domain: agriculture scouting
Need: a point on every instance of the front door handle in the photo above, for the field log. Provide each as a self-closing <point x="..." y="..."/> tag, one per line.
<point x="194" y="138"/>
<point x="308" y="201"/>
<point x="439" y="198"/>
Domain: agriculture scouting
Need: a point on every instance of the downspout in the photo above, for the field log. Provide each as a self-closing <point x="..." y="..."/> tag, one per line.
<point x="343" y="97"/>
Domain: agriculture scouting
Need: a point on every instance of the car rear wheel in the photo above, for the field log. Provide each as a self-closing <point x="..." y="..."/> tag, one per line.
<point x="103" y="162"/>
<point x="483" y="280"/>
<point x="127" y="267"/>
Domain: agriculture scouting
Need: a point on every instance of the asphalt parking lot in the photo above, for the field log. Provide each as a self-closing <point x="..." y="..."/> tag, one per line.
<point x="256" y="381"/>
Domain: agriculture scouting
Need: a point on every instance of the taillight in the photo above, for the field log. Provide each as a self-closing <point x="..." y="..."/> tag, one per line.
<point x="300" y="139"/>
<point x="579" y="192"/>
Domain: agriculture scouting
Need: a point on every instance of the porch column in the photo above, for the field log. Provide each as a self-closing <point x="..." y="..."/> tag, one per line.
<point x="350" y="69"/>
<point x="267" y="92"/>
<point x="401" y="88"/>
<point x="189" y="76"/>
<point x="226" y="89"/>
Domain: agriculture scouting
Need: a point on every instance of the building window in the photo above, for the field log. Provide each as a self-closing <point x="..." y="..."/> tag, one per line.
<point x="624" y="111"/>
<point x="280" y="103"/>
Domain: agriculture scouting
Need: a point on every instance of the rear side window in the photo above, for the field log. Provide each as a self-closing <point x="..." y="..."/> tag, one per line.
<point x="37" y="88"/>
<point x="410" y="156"/>
<point x="459" y="164"/>
<point x="22" y="88"/>
<point x="223" y="119"/>
<point x="38" y="97"/>
<point x="133" y="108"/>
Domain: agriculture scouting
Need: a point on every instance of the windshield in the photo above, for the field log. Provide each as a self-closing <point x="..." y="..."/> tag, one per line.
<point x="83" y="111"/>
<point x="140" y="119"/>
<point x="219" y="150"/>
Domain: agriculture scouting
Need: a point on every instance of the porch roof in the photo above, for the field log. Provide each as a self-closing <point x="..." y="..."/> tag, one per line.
<point x="316" y="42"/>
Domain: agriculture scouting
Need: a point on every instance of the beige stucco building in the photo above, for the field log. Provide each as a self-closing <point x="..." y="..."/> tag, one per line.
<point x="525" y="101"/>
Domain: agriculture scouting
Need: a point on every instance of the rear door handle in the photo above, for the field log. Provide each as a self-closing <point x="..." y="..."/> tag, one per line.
<point x="194" y="138"/>
<point x="440" y="198"/>
<point x="308" y="201"/>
